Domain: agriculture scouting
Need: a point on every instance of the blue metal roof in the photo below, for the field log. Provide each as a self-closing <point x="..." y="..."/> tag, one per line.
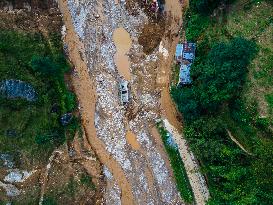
<point x="185" y="54"/>
<point x="184" y="74"/>
<point x="179" y="50"/>
<point x="189" y="51"/>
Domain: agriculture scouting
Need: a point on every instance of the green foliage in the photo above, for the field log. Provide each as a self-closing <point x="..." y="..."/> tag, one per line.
<point x="223" y="73"/>
<point x="87" y="181"/>
<point x="45" y="66"/>
<point x="49" y="201"/>
<point x="177" y="164"/>
<point x="70" y="101"/>
<point x="195" y="25"/>
<point x="269" y="99"/>
<point x="204" y="7"/>
<point x="262" y="168"/>
<point x="218" y="78"/>
<point x="35" y="130"/>
<point x="226" y="78"/>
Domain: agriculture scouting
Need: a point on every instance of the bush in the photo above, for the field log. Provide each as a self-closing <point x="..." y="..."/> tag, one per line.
<point x="87" y="181"/>
<point x="45" y="66"/>
<point x="206" y="7"/>
<point x="71" y="102"/>
<point x="49" y="201"/>
<point x="195" y="25"/>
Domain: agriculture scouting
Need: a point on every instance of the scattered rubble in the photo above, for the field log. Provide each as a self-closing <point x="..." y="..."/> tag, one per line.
<point x="66" y="119"/>
<point x="6" y="160"/>
<point x="10" y="189"/>
<point x="112" y="192"/>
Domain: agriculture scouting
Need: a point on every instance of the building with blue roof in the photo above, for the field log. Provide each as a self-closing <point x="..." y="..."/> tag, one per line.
<point x="184" y="74"/>
<point x="184" y="55"/>
<point x="179" y="52"/>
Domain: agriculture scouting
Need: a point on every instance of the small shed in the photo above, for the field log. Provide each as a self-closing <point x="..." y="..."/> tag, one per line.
<point x="184" y="74"/>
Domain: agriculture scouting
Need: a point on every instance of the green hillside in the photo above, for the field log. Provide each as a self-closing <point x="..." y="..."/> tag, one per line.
<point x="31" y="130"/>
<point x="228" y="108"/>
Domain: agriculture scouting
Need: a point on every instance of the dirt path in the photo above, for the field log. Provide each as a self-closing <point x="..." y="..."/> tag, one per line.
<point x="168" y="109"/>
<point x="45" y="175"/>
<point x="85" y="91"/>
<point x="197" y="181"/>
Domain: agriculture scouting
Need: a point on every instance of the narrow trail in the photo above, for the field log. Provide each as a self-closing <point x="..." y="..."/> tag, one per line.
<point x="86" y="93"/>
<point x="45" y="175"/>
<point x="168" y="109"/>
<point x="238" y="143"/>
<point x="197" y="181"/>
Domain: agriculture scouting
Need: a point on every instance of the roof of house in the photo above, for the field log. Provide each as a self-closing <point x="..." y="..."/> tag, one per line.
<point x="179" y="50"/>
<point x="185" y="51"/>
<point x="189" y="47"/>
<point x="184" y="74"/>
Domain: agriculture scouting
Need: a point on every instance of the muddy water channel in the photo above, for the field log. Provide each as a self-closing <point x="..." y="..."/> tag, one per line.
<point x="123" y="44"/>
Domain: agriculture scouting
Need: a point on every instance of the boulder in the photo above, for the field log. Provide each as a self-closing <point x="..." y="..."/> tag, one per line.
<point x="17" y="89"/>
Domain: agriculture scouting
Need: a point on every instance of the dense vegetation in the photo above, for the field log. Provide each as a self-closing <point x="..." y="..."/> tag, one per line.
<point x="180" y="174"/>
<point x="234" y="57"/>
<point x="33" y="129"/>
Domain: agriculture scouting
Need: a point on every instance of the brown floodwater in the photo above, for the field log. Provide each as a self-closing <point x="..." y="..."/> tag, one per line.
<point x="132" y="140"/>
<point x="123" y="44"/>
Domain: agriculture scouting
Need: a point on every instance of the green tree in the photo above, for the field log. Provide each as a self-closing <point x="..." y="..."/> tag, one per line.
<point x="262" y="167"/>
<point x="45" y="66"/>
<point x="49" y="201"/>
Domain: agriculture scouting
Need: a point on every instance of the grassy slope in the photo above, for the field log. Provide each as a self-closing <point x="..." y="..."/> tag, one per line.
<point x="30" y="119"/>
<point x="253" y="21"/>
<point x="256" y="23"/>
<point x="250" y="122"/>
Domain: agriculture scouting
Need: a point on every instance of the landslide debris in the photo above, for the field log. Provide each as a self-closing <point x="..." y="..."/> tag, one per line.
<point x="151" y="36"/>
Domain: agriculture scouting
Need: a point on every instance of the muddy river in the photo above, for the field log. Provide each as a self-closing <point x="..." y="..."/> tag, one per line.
<point x="123" y="44"/>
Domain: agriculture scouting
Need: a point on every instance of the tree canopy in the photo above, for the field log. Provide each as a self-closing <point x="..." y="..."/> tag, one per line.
<point x="217" y="79"/>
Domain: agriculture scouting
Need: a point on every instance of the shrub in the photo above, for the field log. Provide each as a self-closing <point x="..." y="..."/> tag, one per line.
<point x="45" y="66"/>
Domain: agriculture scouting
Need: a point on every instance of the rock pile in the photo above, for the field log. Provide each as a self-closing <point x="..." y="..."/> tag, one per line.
<point x="17" y="89"/>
